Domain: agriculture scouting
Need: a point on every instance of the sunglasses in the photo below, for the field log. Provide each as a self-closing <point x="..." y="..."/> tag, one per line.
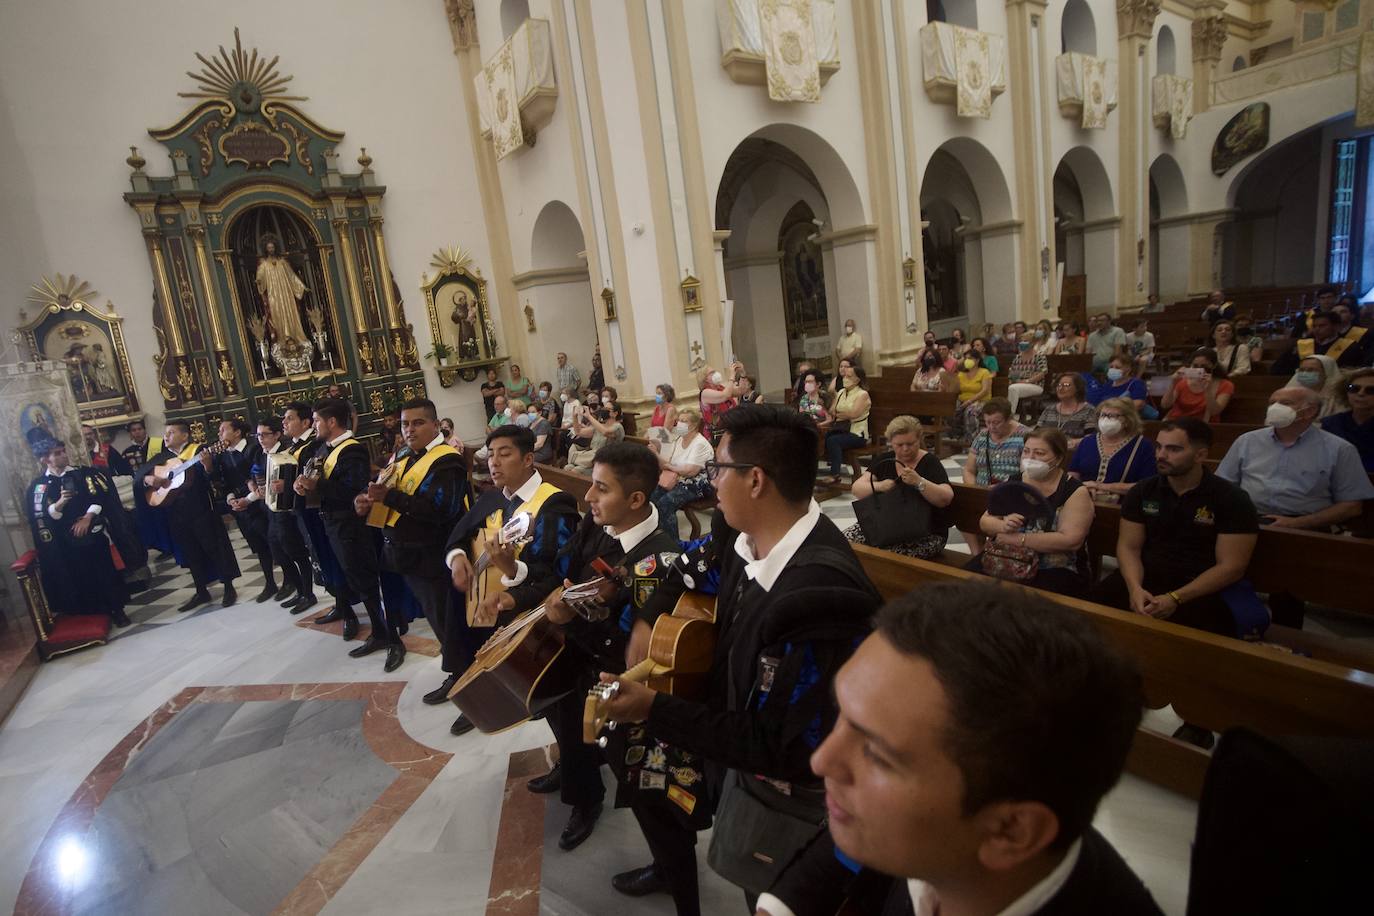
<point x="1360" y="389"/>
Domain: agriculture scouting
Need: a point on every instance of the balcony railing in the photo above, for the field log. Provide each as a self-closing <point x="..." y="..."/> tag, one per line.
<point x="963" y="67"/>
<point x="1295" y="69"/>
<point x="1087" y="88"/>
<point x="516" y="91"/>
<point x="745" y="41"/>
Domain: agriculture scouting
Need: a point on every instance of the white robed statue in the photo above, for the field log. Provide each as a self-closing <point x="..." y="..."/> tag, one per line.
<point x="282" y="290"/>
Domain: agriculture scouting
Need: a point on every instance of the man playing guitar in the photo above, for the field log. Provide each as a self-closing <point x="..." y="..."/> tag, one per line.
<point x="527" y="573"/>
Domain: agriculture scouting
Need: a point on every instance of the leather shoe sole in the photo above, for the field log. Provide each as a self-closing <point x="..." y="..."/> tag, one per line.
<point x="439" y="695"/>
<point x="551" y="781"/>
<point x="461" y="726"/>
<point x="580" y="826"/>
<point x="395" y="655"/>
<point x="640" y="882"/>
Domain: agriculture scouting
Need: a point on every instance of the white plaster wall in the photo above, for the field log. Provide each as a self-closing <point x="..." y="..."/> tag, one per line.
<point x="562" y="314"/>
<point x="763" y="316"/>
<point x="384" y="73"/>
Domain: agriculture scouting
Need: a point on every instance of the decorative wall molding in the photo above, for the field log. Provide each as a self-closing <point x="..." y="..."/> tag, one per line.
<point x="551" y="276"/>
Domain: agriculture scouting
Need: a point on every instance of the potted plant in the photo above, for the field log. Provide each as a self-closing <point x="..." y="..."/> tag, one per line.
<point x="440" y="353"/>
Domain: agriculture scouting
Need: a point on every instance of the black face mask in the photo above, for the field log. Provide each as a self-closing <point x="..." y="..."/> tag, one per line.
<point x="603" y="415"/>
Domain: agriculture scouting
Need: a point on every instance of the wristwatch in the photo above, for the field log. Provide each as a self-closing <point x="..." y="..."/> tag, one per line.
<point x="921" y="485"/>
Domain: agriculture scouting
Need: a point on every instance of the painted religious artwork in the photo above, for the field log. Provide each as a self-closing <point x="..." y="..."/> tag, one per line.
<point x="88" y="342"/>
<point x="1246" y="133"/>
<point x="459" y="317"/>
<point x="36" y="405"/>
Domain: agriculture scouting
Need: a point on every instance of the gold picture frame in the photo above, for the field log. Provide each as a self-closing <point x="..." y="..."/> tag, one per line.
<point x="459" y="316"/>
<point x="691" y="294"/>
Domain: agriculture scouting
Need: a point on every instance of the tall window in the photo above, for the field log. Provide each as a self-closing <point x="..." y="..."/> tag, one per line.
<point x="1342" y="210"/>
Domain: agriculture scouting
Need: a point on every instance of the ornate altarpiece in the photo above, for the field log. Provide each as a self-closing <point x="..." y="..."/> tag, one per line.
<point x="249" y="170"/>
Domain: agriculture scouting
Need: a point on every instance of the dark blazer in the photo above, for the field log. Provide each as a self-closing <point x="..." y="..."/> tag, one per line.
<point x="437" y="504"/>
<point x="351" y="474"/>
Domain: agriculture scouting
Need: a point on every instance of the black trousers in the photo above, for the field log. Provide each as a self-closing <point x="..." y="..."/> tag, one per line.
<point x="673" y="847"/>
<point x="289" y="550"/>
<point x="432" y="593"/>
<point x="252" y="524"/>
<point x="356" y="551"/>
<point x="1208" y="613"/>
<point x="205" y="543"/>
<point x="581" y="762"/>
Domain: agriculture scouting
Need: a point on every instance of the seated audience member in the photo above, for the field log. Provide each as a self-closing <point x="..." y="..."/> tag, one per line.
<point x="1116" y="456"/>
<point x="717" y="394"/>
<point x="1070" y="338"/>
<point x="500" y="413"/>
<point x="958" y="343"/>
<point x="1119" y="383"/>
<point x="606" y="427"/>
<point x="751" y="394"/>
<point x="1105" y="341"/>
<point x="975" y="794"/>
<point x="1059" y="536"/>
<point x="1254" y="344"/>
<point x="1200" y="389"/>
<point x="549" y="406"/>
<point x="995" y="453"/>
<point x="929" y="345"/>
<point x="980" y="350"/>
<point x="1298" y="475"/>
<point x="803" y="368"/>
<point x="1140" y="346"/>
<point x="907" y="465"/>
<point x="811" y="403"/>
<point x="1185" y="536"/>
<point x="1070" y="413"/>
<point x="545" y="441"/>
<point x="1355" y="423"/>
<point x="450" y="437"/>
<point x="1324" y="338"/>
<point x="572" y="407"/>
<point x="682" y="469"/>
<point x="609" y="396"/>
<point x="931" y="374"/>
<point x="848" y="418"/>
<point x="1232" y="353"/>
<point x="1217" y="308"/>
<point x="665" y="412"/>
<point x="1026" y="374"/>
<point x="1319" y="374"/>
<point x="1008" y="344"/>
<point x="975" y="387"/>
<point x="947" y="359"/>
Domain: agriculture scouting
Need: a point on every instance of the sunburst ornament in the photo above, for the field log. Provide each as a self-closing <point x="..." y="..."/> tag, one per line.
<point x="240" y="78"/>
<point x="60" y="291"/>
<point x="453" y="259"/>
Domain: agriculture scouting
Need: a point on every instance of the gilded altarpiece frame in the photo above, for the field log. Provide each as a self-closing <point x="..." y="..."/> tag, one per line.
<point x="270" y="274"/>
<point x="459" y="316"/>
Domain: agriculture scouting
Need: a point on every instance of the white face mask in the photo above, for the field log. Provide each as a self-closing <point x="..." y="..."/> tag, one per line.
<point x="563" y="397"/>
<point x="506" y="412"/>
<point x="680" y="429"/>
<point x="717" y="378"/>
<point x="1109" y="426"/>
<point x="1035" y="469"/>
<point x="1280" y="415"/>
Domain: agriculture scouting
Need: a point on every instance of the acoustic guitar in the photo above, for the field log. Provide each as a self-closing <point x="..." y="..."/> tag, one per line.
<point x="486" y="577"/>
<point x="174" y="470"/>
<point x="516" y="674"/>
<point x="681" y="649"/>
<point x="376" y="516"/>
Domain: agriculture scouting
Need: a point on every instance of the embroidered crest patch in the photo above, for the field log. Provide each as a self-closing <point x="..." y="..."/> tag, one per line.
<point x="646" y="566"/>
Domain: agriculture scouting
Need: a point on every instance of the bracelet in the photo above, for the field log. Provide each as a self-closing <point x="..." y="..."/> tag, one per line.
<point x="1023" y="539"/>
<point x="1177" y="599"/>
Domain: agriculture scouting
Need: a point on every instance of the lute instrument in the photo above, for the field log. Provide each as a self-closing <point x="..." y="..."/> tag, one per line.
<point x="174" y="471"/>
<point x="681" y="649"/>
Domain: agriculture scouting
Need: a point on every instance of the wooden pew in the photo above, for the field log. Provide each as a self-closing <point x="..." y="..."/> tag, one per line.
<point x="1211" y="681"/>
<point x="1223" y="435"/>
<point x="578" y="484"/>
<point x="1060" y="363"/>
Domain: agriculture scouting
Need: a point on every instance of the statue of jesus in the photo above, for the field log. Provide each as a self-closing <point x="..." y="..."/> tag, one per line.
<point x="281" y="289"/>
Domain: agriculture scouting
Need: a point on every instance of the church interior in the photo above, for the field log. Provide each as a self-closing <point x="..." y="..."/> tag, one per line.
<point x="223" y="220"/>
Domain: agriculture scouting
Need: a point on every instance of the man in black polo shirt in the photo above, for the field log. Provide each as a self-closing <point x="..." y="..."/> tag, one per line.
<point x="1185" y="536"/>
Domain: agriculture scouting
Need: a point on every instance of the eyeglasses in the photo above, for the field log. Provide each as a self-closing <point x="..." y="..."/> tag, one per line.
<point x="1109" y="416"/>
<point x="1360" y="389"/>
<point x="713" y="467"/>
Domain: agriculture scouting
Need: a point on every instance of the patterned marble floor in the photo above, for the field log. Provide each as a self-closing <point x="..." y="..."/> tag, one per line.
<point x="231" y="761"/>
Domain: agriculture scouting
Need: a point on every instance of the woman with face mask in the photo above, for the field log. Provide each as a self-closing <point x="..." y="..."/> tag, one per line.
<point x="665" y="413"/>
<point x="682" y="469"/>
<point x="1200" y="389"/>
<point x="1318" y="373"/>
<point x="1111" y="460"/>
<point x="1118" y="384"/>
<point x="848" y="418"/>
<point x="812" y="401"/>
<point x="1231" y="351"/>
<point x="606" y="426"/>
<point x="718" y="393"/>
<point x="1058" y="535"/>
<point x="975" y="387"/>
<point x="958" y="343"/>
<point x="931" y="374"/>
<point x="1026" y="374"/>
<point x="851" y="345"/>
<point x="981" y="350"/>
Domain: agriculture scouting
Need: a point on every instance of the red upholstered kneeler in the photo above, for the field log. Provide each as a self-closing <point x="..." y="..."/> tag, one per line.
<point x="57" y="634"/>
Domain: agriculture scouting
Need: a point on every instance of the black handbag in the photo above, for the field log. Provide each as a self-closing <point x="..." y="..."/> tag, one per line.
<point x="753" y="840"/>
<point x="899" y="516"/>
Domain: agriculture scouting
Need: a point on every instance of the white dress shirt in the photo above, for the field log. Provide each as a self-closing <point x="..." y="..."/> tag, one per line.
<point x="524" y="495"/>
<point x="631" y="537"/>
<point x="766" y="571"/>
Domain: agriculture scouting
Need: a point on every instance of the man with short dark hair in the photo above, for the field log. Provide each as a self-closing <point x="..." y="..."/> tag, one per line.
<point x="1325" y="338"/>
<point x="283" y="535"/>
<point x="310" y="536"/>
<point x="793" y="603"/>
<point x="425" y="496"/>
<point x="196" y="527"/>
<point x="567" y="375"/>
<point x="231" y="470"/>
<point x="1105" y="341"/>
<point x="524" y="574"/>
<point x="1218" y="308"/>
<point x="1185" y="536"/>
<point x="978" y="731"/>
<point x="104" y="458"/>
<point x="151" y="524"/>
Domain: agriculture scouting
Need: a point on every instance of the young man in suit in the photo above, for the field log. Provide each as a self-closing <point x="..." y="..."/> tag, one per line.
<point x="232" y="469"/>
<point x="975" y="793"/>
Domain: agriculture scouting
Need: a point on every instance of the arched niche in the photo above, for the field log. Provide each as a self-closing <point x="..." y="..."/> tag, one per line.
<point x="1077" y="30"/>
<point x="556" y="240"/>
<point x="513" y="13"/>
<point x="1085" y="228"/>
<point x="558" y="292"/>
<point x="1275" y="238"/>
<point x="1238" y="63"/>
<point x="1170" y="239"/>
<point x="1165" y="51"/>
<point x="955" y="12"/>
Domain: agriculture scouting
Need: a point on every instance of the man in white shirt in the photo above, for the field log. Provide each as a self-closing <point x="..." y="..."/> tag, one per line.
<point x="975" y="793"/>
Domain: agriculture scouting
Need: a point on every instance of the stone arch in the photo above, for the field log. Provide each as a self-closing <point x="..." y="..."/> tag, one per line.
<point x="1238" y="63"/>
<point x="1277" y="237"/>
<point x="1165" y="51"/>
<point x="1170" y="240"/>
<point x="1085" y="229"/>
<point x="1094" y="185"/>
<point x="1167" y="177"/>
<point x="955" y="12"/>
<point x="559" y="293"/>
<point x="513" y="13"/>
<point x="556" y="239"/>
<point x="1077" y="29"/>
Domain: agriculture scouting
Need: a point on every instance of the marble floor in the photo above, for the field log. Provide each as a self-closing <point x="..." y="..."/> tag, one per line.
<point x="232" y="760"/>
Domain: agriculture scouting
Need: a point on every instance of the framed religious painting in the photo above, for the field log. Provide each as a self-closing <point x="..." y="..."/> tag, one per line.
<point x="459" y="317"/>
<point x="88" y="341"/>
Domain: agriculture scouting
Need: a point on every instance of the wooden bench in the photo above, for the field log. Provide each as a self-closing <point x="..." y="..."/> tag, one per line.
<point x="1211" y="681"/>
<point x="1060" y="363"/>
<point x="1223" y="435"/>
<point x="578" y="484"/>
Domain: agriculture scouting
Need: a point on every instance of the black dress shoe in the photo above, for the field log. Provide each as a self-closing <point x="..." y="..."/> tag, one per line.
<point x="395" y="654"/>
<point x="551" y="781"/>
<point x="1195" y="735"/>
<point x="335" y="614"/>
<point x="440" y="694"/>
<point x="461" y="725"/>
<point x="301" y="604"/>
<point x="640" y="882"/>
<point x="231" y="597"/>
<point x="267" y="594"/>
<point x="193" y="602"/>
<point x="285" y="593"/>
<point x="121" y="619"/>
<point x="369" y="646"/>
<point x="580" y="826"/>
<point x="350" y="631"/>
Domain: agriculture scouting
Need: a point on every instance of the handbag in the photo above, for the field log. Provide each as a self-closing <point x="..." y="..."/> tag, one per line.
<point x="899" y="516"/>
<point x="753" y="841"/>
<point x="1014" y="562"/>
<point x="1010" y="561"/>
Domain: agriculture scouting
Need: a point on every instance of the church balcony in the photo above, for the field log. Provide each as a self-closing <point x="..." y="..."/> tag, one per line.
<point x="1322" y="62"/>
<point x="1087" y="88"/>
<point x="776" y="46"/>
<point x="516" y="90"/>
<point x="1171" y="103"/>
<point x="963" y="67"/>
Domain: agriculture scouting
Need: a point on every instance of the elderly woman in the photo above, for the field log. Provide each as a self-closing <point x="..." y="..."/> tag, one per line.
<point x="1059" y="536"/>
<point x="1070" y="413"/>
<point x="1355" y="421"/>
<point x="1319" y="373"/>
<point x="1112" y="460"/>
<point x="682" y="469"/>
<point x="1026" y="373"/>
<point x="848" y="417"/>
<point x="908" y="466"/>
<point x="1201" y="389"/>
<point x="717" y="395"/>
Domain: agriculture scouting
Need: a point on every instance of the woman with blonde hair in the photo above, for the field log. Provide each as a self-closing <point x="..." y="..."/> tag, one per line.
<point x="907" y="467"/>
<point x="1355" y="421"/>
<point x="717" y="394"/>
<point x="1111" y="460"/>
<point x="682" y="468"/>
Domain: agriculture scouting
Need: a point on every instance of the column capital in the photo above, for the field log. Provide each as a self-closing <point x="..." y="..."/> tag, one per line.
<point x="1209" y="35"/>
<point x="1136" y="18"/>
<point x="462" y="22"/>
